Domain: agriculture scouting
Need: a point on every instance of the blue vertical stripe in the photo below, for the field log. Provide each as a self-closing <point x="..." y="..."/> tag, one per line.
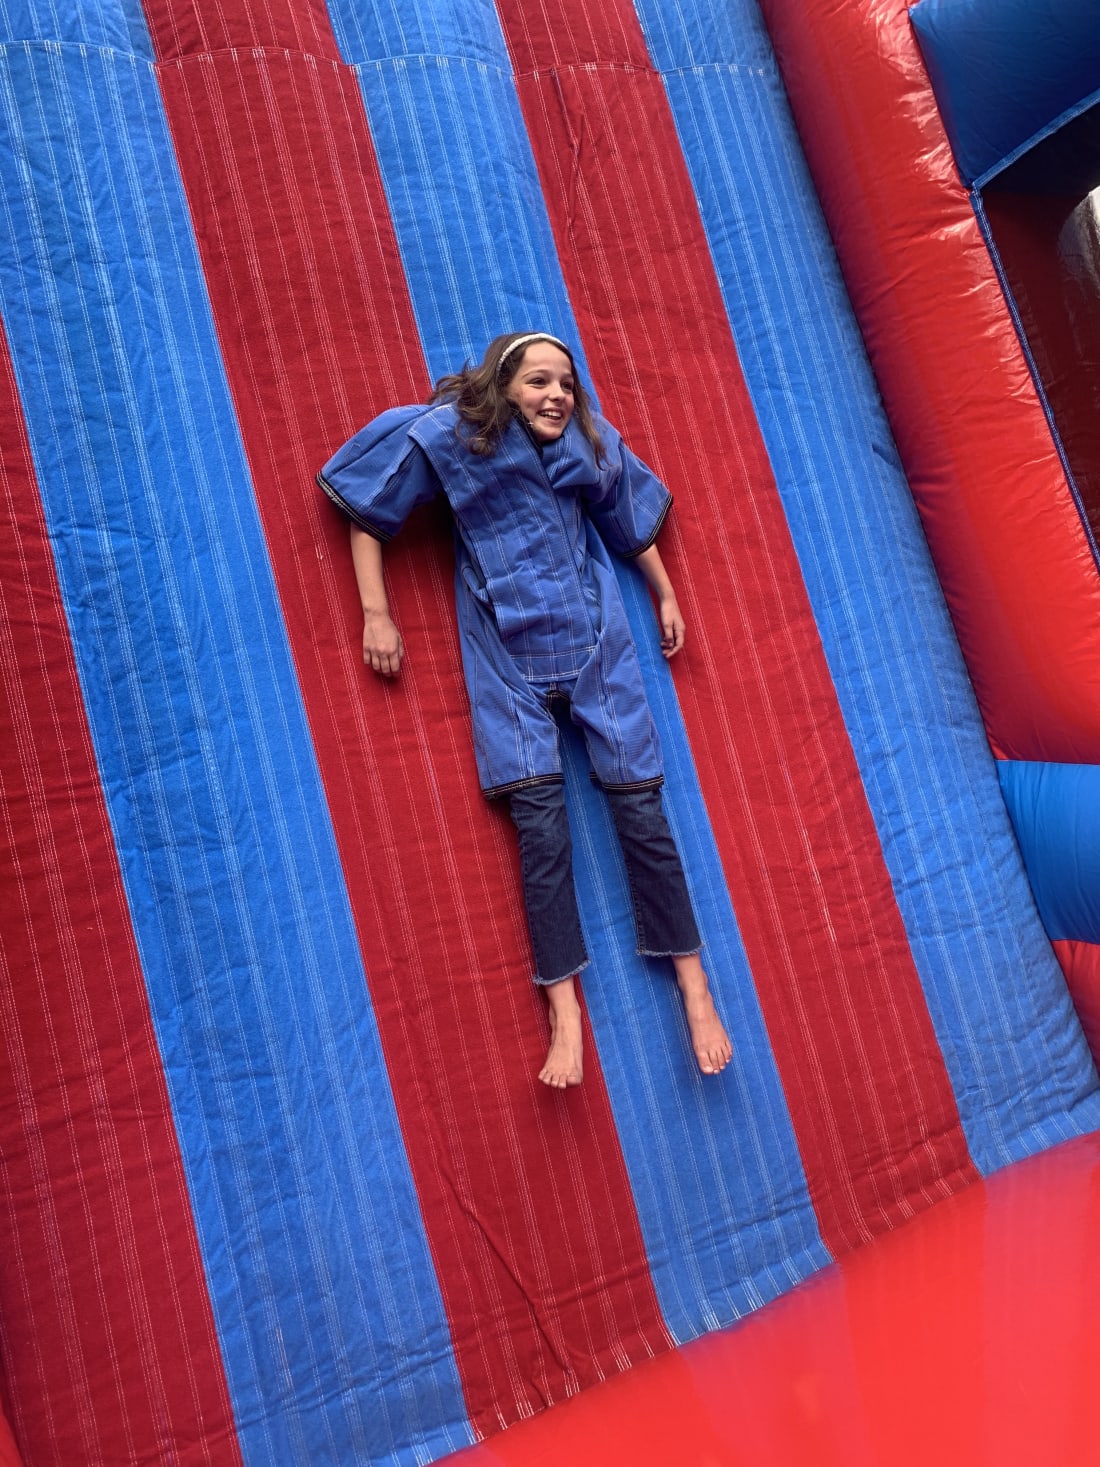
<point x="117" y="24"/>
<point x="717" y="1180"/>
<point x="333" y="1334"/>
<point x="1017" y="1060"/>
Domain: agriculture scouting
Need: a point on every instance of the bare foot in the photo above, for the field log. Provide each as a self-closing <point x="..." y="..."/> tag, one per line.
<point x="563" y="1062"/>
<point x="713" y="1050"/>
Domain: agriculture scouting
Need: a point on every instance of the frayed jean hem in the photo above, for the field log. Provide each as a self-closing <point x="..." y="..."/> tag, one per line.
<point x="549" y="982"/>
<point x="643" y="952"/>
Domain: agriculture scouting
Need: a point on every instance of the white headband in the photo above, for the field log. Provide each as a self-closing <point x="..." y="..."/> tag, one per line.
<point x="526" y="341"/>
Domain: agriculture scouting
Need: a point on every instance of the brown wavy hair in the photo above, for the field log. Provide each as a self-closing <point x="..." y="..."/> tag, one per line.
<point x="479" y="394"/>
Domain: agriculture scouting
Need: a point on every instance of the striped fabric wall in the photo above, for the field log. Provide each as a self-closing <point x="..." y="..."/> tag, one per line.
<point x="279" y="1182"/>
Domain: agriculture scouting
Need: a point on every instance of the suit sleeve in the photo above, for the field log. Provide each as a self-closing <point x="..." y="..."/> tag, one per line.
<point x="628" y="504"/>
<point x="381" y="475"/>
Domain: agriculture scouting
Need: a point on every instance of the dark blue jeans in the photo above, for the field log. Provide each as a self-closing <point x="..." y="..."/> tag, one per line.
<point x="663" y="916"/>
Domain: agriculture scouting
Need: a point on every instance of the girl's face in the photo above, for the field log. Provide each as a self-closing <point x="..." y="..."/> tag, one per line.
<point x="542" y="389"/>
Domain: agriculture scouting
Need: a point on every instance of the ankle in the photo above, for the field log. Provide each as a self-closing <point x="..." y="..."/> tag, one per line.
<point x="690" y="974"/>
<point x="562" y="997"/>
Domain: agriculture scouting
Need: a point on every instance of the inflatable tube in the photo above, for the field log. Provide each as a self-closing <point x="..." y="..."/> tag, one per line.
<point x="1015" y="561"/>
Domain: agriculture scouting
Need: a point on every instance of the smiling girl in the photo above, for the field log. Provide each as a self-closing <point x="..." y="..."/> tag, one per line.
<point x="541" y="488"/>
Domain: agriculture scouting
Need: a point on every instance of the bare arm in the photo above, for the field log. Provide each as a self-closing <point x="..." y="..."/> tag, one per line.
<point x="383" y="648"/>
<point x="650" y="564"/>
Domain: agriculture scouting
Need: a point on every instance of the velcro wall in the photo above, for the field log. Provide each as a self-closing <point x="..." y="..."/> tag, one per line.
<point x="279" y="1183"/>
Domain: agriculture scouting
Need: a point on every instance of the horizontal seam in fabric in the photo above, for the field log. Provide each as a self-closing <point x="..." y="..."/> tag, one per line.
<point x="54" y="43"/>
<point x="590" y="68"/>
<point x="734" y="68"/>
<point x="379" y="61"/>
<point x="255" y="52"/>
<point x="496" y="790"/>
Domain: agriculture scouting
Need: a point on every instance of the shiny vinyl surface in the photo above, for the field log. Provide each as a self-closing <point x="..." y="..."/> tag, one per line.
<point x="967" y="1336"/>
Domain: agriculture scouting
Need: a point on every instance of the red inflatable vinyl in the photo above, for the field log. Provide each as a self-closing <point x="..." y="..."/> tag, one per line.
<point x="964" y="1339"/>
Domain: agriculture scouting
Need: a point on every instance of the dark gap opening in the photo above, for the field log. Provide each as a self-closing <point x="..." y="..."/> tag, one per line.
<point x="1043" y="214"/>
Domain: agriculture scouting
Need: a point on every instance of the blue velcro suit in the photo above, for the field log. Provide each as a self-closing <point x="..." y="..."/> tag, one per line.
<point x="539" y="610"/>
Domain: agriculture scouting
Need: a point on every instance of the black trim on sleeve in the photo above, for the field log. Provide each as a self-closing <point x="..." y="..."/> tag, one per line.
<point x="630" y="554"/>
<point x="341" y="503"/>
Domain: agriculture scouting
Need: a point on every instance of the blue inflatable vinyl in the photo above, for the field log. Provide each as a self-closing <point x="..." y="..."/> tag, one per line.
<point x="1007" y="72"/>
<point x="1056" y="811"/>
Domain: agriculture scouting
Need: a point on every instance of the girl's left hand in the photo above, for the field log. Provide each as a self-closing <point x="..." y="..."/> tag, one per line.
<point x="672" y="625"/>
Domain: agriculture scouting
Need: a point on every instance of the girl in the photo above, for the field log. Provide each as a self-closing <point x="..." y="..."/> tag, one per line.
<point x="541" y="488"/>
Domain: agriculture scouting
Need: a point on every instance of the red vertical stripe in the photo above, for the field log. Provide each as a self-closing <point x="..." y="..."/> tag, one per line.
<point x="108" y="1339"/>
<point x="524" y="1194"/>
<point x="190" y="30"/>
<point x="870" y="1098"/>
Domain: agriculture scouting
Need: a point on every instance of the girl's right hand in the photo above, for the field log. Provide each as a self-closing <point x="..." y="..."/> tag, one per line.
<point x="383" y="648"/>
